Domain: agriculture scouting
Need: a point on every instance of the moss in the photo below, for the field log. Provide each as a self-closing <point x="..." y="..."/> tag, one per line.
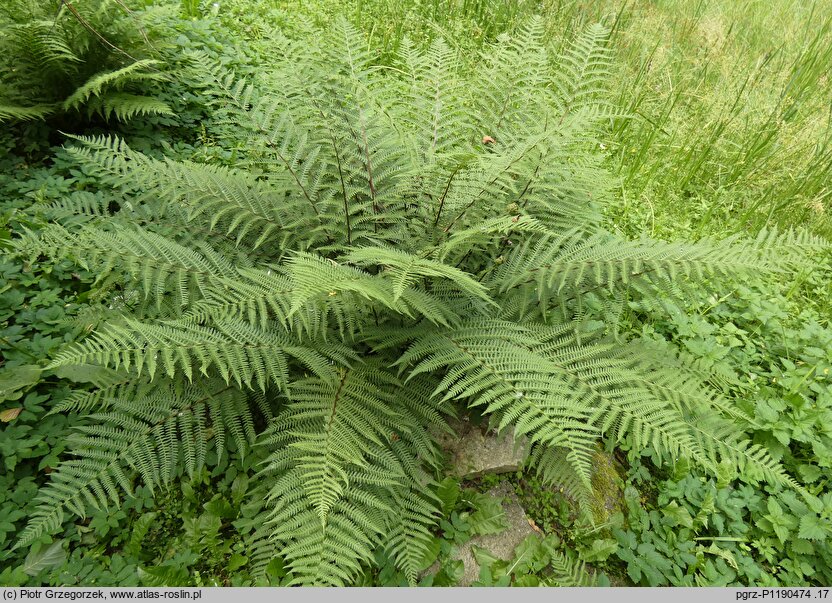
<point x="607" y="487"/>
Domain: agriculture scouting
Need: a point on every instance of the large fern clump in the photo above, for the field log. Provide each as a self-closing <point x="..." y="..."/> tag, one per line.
<point x="75" y="58"/>
<point x="392" y="243"/>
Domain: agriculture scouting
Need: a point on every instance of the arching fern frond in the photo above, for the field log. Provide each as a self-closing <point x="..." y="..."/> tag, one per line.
<point x="9" y="111"/>
<point x="157" y="436"/>
<point x="97" y="85"/>
<point x="493" y="364"/>
<point x="575" y="262"/>
<point x="339" y="480"/>
<point x="162" y="267"/>
<point x="238" y="352"/>
<point x="406" y="269"/>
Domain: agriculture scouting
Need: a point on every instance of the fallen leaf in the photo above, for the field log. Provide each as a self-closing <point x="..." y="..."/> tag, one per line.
<point x="10" y="414"/>
<point x="533" y="525"/>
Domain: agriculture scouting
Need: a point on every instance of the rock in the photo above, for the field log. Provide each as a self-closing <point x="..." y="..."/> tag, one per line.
<point x="607" y="486"/>
<point x="501" y="545"/>
<point x="474" y="452"/>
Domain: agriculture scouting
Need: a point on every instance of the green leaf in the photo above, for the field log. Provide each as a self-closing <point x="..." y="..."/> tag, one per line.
<point x="83" y="373"/>
<point x="489" y="517"/>
<point x="813" y="527"/>
<point x="483" y="556"/>
<point x="38" y="560"/>
<point x="164" y="575"/>
<point x="275" y="571"/>
<point x="448" y="492"/>
<point x="676" y="515"/>
<point x="451" y="573"/>
<point x="236" y="562"/>
<point x="431" y="554"/>
<point x="140" y="529"/>
<point x="239" y="487"/>
<point x="17" y="378"/>
<point x="527" y="580"/>
<point x="600" y="550"/>
<point x="728" y="556"/>
<point x="220" y="507"/>
<point x="529" y="556"/>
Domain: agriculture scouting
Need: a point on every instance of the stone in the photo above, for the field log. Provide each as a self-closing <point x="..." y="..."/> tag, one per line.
<point x="473" y="451"/>
<point x="607" y="496"/>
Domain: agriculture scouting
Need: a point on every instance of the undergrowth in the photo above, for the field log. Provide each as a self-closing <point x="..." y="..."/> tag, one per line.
<point x="712" y="129"/>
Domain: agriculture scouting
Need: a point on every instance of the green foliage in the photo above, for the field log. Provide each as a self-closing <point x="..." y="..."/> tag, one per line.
<point x="536" y="562"/>
<point x="419" y="220"/>
<point x="37" y="306"/>
<point x="370" y="257"/>
<point x="773" y="353"/>
<point x="47" y="50"/>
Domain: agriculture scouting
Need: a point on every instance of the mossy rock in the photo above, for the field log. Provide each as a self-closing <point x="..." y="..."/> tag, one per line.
<point x="607" y="497"/>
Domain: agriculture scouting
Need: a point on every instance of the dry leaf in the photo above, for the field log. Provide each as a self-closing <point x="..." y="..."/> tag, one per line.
<point x="534" y="525"/>
<point x="488" y="140"/>
<point x="10" y="414"/>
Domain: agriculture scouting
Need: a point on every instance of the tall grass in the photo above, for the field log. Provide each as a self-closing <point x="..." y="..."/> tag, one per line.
<point x="730" y="101"/>
<point x="732" y="105"/>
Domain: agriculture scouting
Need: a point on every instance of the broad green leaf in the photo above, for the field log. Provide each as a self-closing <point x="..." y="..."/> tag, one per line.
<point x="83" y="373"/>
<point x="529" y="556"/>
<point x="52" y="556"/>
<point x="483" y="556"/>
<point x="728" y="556"/>
<point x="17" y="378"/>
<point x="600" y="550"/>
<point x="236" y="562"/>
<point x="676" y="515"/>
<point x="431" y="554"/>
<point x="813" y="527"/>
<point x="489" y="517"/>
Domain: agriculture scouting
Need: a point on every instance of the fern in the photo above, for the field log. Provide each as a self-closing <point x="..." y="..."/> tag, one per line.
<point x="154" y="435"/>
<point x="369" y="259"/>
<point x="67" y="62"/>
<point x="97" y="85"/>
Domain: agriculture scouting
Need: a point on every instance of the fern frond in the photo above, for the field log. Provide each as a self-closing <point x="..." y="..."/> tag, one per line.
<point x="553" y="467"/>
<point x="161" y="266"/>
<point x="99" y="84"/>
<point x="576" y="262"/>
<point x="125" y="106"/>
<point x="238" y="352"/>
<point x="336" y="476"/>
<point x="567" y="572"/>
<point x="14" y="112"/>
<point x="406" y="269"/>
<point x="585" y="69"/>
<point x="493" y="364"/>
<point x="156" y="436"/>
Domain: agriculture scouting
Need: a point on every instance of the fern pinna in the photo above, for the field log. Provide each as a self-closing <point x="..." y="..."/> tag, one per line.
<point x="388" y="242"/>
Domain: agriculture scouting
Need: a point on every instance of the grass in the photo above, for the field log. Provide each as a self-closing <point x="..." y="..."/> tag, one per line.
<point x="730" y="125"/>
